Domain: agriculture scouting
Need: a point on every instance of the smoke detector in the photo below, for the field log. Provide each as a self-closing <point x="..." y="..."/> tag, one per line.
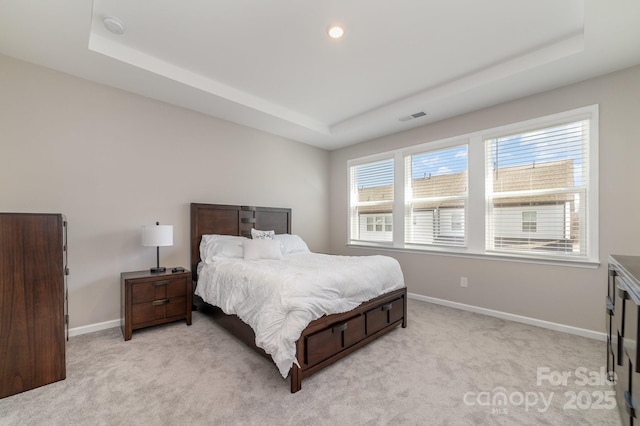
<point x="114" y="25"/>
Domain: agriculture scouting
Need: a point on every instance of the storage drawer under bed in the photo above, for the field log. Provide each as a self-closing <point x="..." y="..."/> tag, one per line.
<point x="347" y="332"/>
<point x="384" y="315"/>
<point x="325" y="343"/>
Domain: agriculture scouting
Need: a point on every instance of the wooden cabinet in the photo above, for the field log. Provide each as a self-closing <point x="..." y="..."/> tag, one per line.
<point x="33" y="273"/>
<point x="612" y="337"/>
<point x="623" y="354"/>
<point x="150" y="299"/>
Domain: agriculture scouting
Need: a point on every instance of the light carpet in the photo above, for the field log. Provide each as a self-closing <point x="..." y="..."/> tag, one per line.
<point x="449" y="367"/>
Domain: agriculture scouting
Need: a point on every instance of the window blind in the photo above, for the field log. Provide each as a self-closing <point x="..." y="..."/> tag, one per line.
<point x="372" y="196"/>
<point x="536" y="188"/>
<point x="436" y="185"/>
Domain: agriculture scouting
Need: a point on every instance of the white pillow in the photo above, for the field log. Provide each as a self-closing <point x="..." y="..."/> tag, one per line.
<point x="291" y="243"/>
<point x="256" y="234"/>
<point x="261" y="249"/>
<point x="221" y="245"/>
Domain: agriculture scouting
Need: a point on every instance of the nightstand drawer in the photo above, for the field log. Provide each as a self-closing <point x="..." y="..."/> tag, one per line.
<point x="161" y="288"/>
<point x="158" y="309"/>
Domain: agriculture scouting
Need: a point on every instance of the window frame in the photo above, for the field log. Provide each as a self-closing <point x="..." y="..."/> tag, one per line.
<point x="476" y="214"/>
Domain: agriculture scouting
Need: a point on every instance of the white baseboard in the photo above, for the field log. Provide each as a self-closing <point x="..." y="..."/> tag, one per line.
<point x="512" y="317"/>
<point x="76" y="331"/>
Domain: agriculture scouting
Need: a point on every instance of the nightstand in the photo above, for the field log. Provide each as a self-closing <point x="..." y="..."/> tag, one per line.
<point x="149" y="299"/>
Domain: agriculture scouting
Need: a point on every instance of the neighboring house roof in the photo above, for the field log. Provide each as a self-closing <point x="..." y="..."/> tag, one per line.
<point x="549" y="175"/>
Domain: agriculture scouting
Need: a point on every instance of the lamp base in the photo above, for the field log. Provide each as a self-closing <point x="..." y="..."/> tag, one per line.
<point x="158" y="269"/>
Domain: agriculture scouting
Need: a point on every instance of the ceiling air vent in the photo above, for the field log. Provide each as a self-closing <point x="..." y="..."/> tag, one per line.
<point x="412" y="116"/>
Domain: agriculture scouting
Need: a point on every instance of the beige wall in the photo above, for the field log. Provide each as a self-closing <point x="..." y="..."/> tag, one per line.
<point x="113" y="161"/>
<point x="565" y="295"/>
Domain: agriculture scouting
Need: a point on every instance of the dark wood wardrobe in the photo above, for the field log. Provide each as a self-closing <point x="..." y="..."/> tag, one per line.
<point x="33" y="269"/>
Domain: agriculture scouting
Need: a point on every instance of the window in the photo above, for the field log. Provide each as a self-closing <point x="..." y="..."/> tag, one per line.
<point x="529" y="221"/>
<point x="372" y="199"/>
<point x="528" y="190"/>
<point x="545" y="168"/>
<point x="436" y="196"/>
<point x="457" y="221"/>
<point x="375" y="223"/>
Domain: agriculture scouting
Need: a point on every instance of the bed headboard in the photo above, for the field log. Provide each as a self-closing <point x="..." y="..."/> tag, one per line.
<point x="233" y="220"/>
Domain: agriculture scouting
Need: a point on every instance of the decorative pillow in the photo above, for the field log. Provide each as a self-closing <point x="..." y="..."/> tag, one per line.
<point x="221" y="246"/>
<point x="262" y="235"/>
<point x="261" y="249"/>
<point x="291" y="243"/>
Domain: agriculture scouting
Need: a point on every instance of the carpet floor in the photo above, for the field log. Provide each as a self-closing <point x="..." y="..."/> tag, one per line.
<point x="448" y="367"/>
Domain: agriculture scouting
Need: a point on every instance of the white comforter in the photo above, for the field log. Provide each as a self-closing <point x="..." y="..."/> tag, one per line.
<point x="279" y="298"/>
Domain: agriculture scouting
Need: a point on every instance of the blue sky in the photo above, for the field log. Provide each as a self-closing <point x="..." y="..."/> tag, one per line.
<point x="552" y="144"/>
<point x="442" y="162"/>
<point x="521" y="149"/>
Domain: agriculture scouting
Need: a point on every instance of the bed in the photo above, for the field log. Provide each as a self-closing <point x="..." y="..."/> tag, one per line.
<point x="324" y="340"/>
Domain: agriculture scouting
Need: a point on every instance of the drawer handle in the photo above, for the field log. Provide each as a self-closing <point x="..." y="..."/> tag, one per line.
<point x="340" y="327"/>
<point x="387" y="306"/>
<point x="610" y="307"/>
<point x="629" y="403"/>
<point x="160" y="302"/>
<point x="160" y="283"/>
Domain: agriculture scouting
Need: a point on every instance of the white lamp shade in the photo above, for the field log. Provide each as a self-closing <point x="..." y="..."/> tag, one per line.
<point x="157" y="235"/>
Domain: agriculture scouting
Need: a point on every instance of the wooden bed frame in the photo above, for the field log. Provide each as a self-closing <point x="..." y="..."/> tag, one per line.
<point x="326" y="339"/>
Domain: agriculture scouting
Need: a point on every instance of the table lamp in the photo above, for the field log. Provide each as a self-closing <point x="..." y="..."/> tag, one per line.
<point x="158" y="235"/>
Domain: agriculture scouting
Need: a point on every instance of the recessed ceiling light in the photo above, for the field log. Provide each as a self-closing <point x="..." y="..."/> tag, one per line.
<point x="335" y="31"/>
<point x="114" y="25"/>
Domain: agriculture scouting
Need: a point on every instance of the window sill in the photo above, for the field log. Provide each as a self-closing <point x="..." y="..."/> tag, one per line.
<point x="594" y="264"/>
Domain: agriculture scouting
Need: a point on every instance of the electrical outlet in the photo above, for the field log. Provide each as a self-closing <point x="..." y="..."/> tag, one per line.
<point x="464" y="282"/>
